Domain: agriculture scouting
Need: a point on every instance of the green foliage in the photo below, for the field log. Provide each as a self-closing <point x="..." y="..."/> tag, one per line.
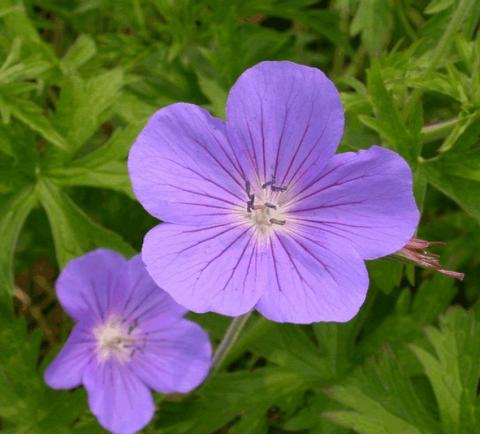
<point x="78" y="80"/>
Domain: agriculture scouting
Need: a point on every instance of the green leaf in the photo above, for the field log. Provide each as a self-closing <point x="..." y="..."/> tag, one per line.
<point x="26" y="404"/>
<point x="14" y="209"/>
<point x="78" y="54"/>
<point x="436" y="6"/>
<point x="374" y="20"/>
<point x="381" y="400"/>
<point x="83" y="105"/>
<point x="215" y="93"/>
<point x="74" y="233"/>
<point x="386" y="274"/>
<point x="453" y="369"/>
<point x="457" y="173"/>
<point x="241" y="393"/>
<point x="388" y="122"/>
<point x="31" y="115"/>
<point x="112" y="175"/>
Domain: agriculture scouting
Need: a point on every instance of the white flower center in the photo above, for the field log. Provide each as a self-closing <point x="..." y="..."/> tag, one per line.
<point x="116" y="339"/>
<point x="264" y="207"/>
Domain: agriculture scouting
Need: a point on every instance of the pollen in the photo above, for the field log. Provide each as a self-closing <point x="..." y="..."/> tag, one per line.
<point x="116" y="339"/>
<point x="264" y="207"/>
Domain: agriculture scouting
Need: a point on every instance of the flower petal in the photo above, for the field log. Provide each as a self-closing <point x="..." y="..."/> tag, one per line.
<point x="365" y="198"/>
<point x="182" y="168"/>
<point x="93" y="283"/>
<point x="119" y="400"/>
<point x="312" y="280"/>
<point x="145" y="299"/>
<point x="66" y="369"/>
<point x="213" y="268"/>
<point x="282" y="118"/>
<point x="174" y="359"/>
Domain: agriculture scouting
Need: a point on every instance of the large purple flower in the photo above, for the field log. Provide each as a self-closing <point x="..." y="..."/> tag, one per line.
<point x="259" y="212"/>
<point x="129" y="337"/>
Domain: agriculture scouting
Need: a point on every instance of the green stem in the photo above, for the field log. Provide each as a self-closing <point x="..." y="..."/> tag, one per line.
<point x="229" y="339"/>
<point x="434" y="132"/>
<point x="407" y="27"/>
<point x="446" y="41"/>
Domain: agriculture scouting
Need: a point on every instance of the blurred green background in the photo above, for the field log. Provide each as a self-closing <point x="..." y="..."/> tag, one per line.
<point x="78" y="80"/>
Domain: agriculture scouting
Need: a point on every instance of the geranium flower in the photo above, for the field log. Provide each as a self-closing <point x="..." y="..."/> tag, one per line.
<point x="258" y="211"/>
<point x="129" y="337"/>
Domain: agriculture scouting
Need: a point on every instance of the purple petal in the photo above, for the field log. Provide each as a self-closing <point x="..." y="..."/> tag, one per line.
<point x="175" y="359"/>
<point x="66" y="369"/>
<point x="282" y="118"/>
<point x="182" y="169"/>
<point x="145" y="299"/>
<point x="93" y="283"/>
<point x="312" y="280"/>
<point x="119" y="400"/>
<point x="364" y="198"/>
<point x="213" y="268"/>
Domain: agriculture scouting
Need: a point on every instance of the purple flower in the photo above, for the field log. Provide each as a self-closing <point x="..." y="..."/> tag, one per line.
<point x="259" y="212"/>
<point x="129" y="337"/>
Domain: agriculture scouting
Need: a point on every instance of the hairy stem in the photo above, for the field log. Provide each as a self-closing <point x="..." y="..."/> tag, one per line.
<point x="231" y="336"/>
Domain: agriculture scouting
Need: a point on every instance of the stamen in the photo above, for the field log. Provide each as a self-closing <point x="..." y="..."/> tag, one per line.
<point x="270" y="205"/>
<point x="268" y="183"/>
<point x="277" y="221"/>
<point x="247" y="187"/>
<point x="278" y="188"/>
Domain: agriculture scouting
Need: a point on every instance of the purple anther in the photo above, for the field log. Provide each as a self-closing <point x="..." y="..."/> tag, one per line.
<point x="270" y="205"/>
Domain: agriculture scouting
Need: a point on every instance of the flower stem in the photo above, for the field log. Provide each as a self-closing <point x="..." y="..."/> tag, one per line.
<point x="231" y="336"/>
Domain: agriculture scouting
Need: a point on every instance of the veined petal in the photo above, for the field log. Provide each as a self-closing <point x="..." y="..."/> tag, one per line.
<point x="364" y="198"/>
<point x="281" y="119"/>
<point x="145" y="299"/>
<point x="181" y="168"/>
<point x="93" y="283"/>
<point x="208" y="268"/>
<point x="312" y="280"/>
<point x="174" y="359"/>
<point x="66" y="369"/>
<point x="119" y="400"/>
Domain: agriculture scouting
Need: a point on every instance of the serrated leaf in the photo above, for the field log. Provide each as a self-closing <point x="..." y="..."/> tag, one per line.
<point x="82" y="50"/>
<point x="382" y="401"/>
<point x="74" y="233"/>
<point x="457" y="173"/>
<point x="453" y="369"/>
<point x="112" y="175"/>
<point x="388" y="121"/>
<point x="14" y="209"/>
<point x="31" y="115"/>
<point x="83" y="105"/>
<point x="374" y="21"/>
<point x="26" y="404"/>
<point x="237" y="394"/>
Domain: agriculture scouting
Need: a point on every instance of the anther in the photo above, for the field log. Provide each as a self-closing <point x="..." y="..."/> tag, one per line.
<point x="247" y="187"/>
<point x="277" y="222"/>
<point x="270" y="205"/>
<point x="268" y="183"/>
<point x="277" y="188"/>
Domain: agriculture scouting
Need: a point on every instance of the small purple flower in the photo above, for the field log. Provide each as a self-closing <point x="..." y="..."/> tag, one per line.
<point x="129" y="337"/>
<point x="259" y="212"/>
